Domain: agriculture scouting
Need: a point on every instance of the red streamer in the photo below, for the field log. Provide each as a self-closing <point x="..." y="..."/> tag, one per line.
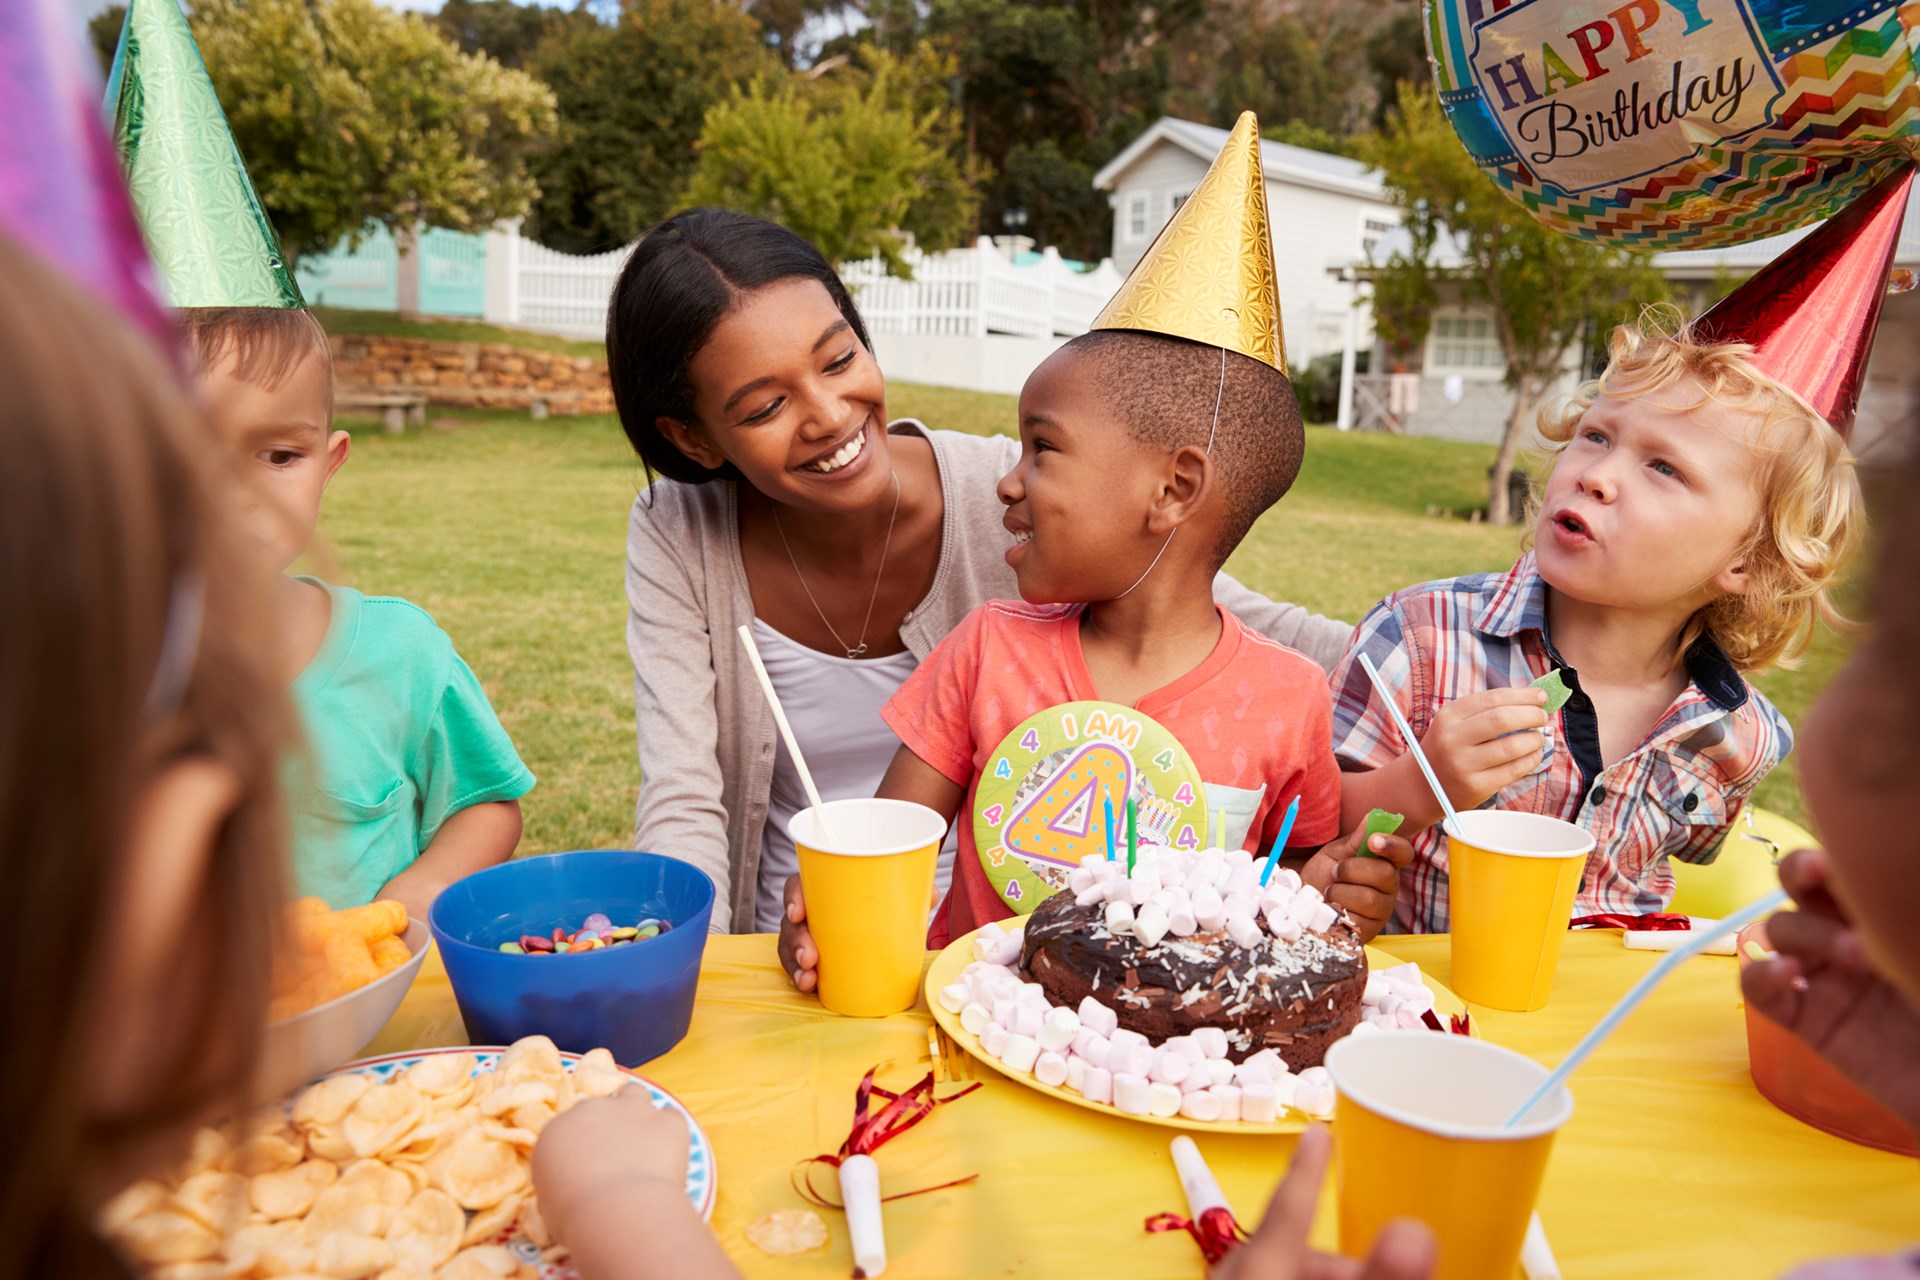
<point x="1216" y="1232"/>
<point x="1655" y="922"/>
<point x="1460" y="1024"/>
<point x="872" y="1130"/>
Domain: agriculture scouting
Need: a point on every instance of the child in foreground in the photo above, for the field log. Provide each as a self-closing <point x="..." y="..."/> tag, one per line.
<point x="1695" y="519"/>
<point x="409" y="782"/>
<point x="140" y="725"/>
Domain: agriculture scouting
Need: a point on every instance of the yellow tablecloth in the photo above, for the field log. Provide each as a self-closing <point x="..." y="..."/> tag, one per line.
<point x="1672" y="1165"/>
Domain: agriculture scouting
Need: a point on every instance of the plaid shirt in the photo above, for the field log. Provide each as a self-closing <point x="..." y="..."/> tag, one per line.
<point x="1672" y="797"/>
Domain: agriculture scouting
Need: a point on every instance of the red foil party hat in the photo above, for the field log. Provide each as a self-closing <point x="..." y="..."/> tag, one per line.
<point x="1811" y="313"/>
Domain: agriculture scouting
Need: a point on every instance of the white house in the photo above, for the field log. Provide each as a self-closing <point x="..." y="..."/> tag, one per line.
<point x="1324" y="209"/>
<point x="1454" y="385"/>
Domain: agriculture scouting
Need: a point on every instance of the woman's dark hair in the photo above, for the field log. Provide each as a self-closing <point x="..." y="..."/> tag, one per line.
<point x="683" y="276"/>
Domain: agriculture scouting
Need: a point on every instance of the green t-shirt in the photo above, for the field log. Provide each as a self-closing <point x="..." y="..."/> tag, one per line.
<point x="400" y="737"/>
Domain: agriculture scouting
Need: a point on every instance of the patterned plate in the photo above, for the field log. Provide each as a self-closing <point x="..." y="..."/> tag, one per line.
<point x="703" y="1177"/>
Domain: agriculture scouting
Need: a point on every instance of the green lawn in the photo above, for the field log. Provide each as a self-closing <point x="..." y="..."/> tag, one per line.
<point x="512" y="533"/>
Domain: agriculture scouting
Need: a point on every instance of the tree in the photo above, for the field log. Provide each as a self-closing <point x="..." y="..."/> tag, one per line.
<point x="349" y="113"/>
<point x="103" y="32"/>
<point x="633" y="97"/>
<point x="503" y="30"/>
<point x="1542" y="288"/>
<point x="854" y="160"/>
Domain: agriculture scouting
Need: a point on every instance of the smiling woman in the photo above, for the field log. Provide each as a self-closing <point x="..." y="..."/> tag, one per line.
<point x="744" y="376"/>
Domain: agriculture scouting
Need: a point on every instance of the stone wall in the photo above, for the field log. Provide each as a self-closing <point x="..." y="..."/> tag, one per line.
<point x="470" y="374"/>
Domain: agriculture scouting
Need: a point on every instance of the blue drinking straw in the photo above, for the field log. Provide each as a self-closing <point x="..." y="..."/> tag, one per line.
<point x="1701" y="939"/>
<point x="1280" y="841"/>
<point x="1107" y="802"/>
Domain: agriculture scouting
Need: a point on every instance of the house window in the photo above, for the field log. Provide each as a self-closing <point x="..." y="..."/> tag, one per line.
<point x="1137" y="218"/>
<point x="1372" y="231"/>
<point x="1180" y="200"/>
<point x="1462" y="342"/>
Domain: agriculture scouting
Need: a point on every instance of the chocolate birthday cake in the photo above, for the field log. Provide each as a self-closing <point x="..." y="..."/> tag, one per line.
<point x="1193" y="941"/>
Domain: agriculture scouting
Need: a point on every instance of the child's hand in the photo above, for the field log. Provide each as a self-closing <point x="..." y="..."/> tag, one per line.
<point x="604" y="1153"/>
<point x="1364" y="887"/>
<point x="1821" y="986"/>
<point x="1477" y="746"/>
<point x="798" y="956"/>
<point x="1278" y="1249"/>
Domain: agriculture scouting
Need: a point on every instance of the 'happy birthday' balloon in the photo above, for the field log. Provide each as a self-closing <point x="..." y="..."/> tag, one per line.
<point x="1664" y="124"/>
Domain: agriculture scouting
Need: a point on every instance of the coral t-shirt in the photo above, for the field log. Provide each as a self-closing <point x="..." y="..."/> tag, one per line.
<point x="1255" y="716"/>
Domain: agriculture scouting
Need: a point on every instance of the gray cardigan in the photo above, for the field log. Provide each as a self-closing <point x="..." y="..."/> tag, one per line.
<point x="706" y="735"/>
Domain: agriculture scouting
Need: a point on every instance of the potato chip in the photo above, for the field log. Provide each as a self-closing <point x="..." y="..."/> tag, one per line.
<point x="202" y="1270"/>
<point x="533" y="1224"/>
<point x="442" y="1073"/>
<point x="136" y="1201"/>
<point x="168" y="1235"/>
<point x="402" y="1273"/>
<point x="597" y="1075"/>
<point x="218" y="1200"/>
<point x="478" y="1171"/>
<point x="490" y="1223"/>
<point x="291" y="1193"/>
<point x="485" y="1262"/>
<point x="532" y="1117"/>
<point x="343" y="1254"/>
<point x="209" y="1151"/>
<point x="328" y="1101"/>
<point x="787" y="1231"/>
<point x="520" y="1138"/>
<point x="415" y="1174"/>
<point x="531" y="1058"/>
<point x="524" y="1093"/>
<point x="354" y="1210"/>
<point x="382" y="1117"/>
<point x="267" y="1152"/>
<point x="329" y="1143"/>
<point x="252" y="1242"/>
<point x="428" y="1231"/>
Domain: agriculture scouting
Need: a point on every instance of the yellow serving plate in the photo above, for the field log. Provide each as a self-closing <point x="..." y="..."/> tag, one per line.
<point x="946" y="969"/>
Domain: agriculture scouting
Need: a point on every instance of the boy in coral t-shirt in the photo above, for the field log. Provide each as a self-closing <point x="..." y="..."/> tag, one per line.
<point x="1121" y="453"/>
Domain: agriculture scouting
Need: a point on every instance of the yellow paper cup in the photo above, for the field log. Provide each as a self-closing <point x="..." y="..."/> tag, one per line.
<point x="1416" y="1134"/>
<point x="868" y="894"/>
<point x="1511" y="883"/>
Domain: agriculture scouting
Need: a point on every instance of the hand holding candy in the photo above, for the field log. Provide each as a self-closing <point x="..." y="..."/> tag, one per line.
<point x="1477" y="745"/>
<point x="1364" y="885"/>
<point x="1278" y="1250"/>
<point x="798" y="956"/>
<point x="1820" y="985"/>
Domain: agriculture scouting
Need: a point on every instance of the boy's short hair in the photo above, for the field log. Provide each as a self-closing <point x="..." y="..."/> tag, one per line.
<point x="264" y="343"/>
<point x="1164" y="390"/>
<point x="1811" y="515"/>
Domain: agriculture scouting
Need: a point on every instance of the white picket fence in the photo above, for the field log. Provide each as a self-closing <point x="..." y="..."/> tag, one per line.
<point x="970" y="292"/>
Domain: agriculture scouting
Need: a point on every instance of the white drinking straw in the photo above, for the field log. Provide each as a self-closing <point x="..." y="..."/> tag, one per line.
<point x="786" y="732"/>
<point x="1452" y="825"/>
<point x="1536" y="1255"/>
<point x="1702" y="938"/>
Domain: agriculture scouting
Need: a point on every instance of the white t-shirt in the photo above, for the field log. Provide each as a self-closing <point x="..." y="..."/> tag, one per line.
<point x="834" y="706"/>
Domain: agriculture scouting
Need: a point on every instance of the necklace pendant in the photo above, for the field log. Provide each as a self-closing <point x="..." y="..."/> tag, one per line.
<point x="857" y="652"/>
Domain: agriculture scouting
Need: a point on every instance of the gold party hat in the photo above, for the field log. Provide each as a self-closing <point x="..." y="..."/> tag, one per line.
<point x="1208" y="276"/>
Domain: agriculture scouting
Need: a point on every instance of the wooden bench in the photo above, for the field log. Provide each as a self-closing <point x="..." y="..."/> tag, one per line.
<point x="397" y="409"/>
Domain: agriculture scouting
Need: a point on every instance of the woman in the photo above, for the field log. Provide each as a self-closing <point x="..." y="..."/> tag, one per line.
<point x="744" y="376"/>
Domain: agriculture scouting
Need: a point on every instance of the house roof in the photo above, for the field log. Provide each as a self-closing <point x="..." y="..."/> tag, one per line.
<point x="1740" y="259"/>
<point x="1281" y="162"/>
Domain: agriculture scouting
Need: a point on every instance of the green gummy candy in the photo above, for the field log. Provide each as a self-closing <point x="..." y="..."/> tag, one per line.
<point x="1379" y="823"/>
<point x="1556" y="690"/>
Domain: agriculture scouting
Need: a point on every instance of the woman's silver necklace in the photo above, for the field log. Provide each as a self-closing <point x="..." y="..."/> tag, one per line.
<point x="853" y="650"/>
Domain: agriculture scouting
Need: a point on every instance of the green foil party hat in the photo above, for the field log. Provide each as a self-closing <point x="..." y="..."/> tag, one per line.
<point x="205" y="227"/>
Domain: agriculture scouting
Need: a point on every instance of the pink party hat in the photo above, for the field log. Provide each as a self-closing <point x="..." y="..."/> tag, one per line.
<point x="61" y="191"/>
<point x="1811" y="313"/>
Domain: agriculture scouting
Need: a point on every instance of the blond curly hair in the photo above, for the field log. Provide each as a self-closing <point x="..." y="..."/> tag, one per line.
<point x="1811" y="515"/>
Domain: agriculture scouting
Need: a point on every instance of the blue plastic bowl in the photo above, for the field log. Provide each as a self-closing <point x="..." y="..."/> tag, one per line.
<point x="635" y="1000"/>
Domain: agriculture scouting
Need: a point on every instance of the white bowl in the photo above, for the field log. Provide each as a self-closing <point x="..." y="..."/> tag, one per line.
<point x="313" y="1043"/>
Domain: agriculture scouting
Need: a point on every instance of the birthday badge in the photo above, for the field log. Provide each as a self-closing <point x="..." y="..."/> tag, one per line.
<point x="1042" y="804"/>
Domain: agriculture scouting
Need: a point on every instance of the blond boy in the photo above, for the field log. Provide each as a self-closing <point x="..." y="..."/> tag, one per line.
<point x="1688" y="536"/>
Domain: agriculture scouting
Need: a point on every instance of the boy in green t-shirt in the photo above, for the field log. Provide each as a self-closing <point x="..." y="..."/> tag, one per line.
<point x="409" y="781"/>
